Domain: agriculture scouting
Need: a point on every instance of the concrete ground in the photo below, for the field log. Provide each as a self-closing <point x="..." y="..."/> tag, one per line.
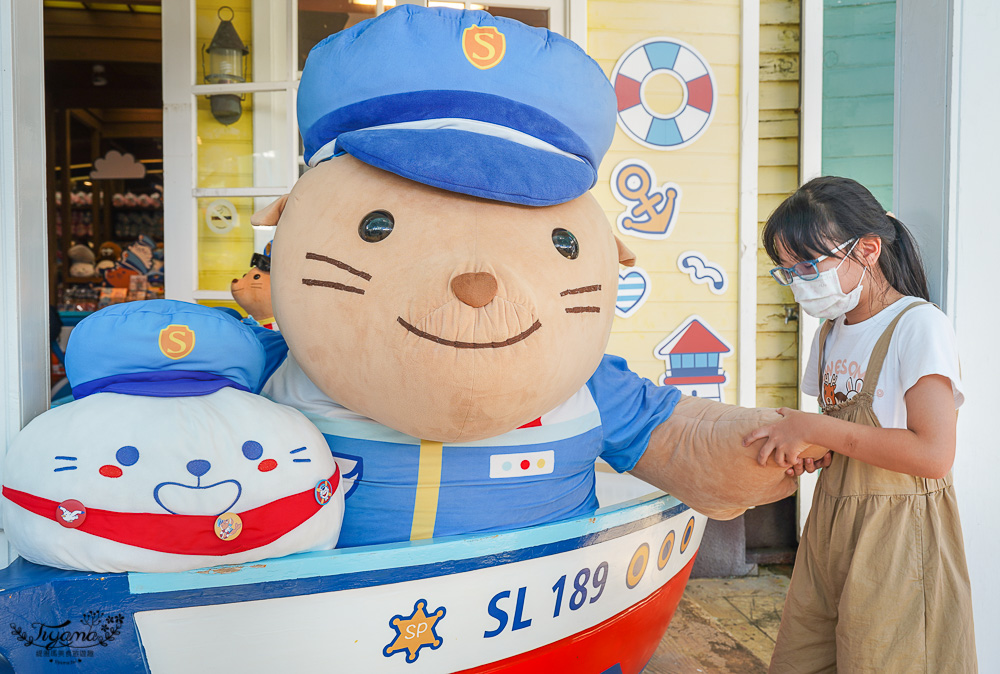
<point x="724" y="625"/>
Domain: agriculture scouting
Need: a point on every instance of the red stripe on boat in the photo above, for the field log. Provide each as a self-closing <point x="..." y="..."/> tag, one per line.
<point x="628" y="639"/>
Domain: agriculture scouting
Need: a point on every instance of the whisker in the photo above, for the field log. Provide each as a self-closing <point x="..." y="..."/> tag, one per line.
<point x="296" y="451"/>
<point x="64" y="468"/>
<point x="577" y="291"/>
<point x="66" y="458"/>
<point x="301" y="460"/>
<point x="583" y="310"/>
<point x="340" y="265"/>
<point x="332" y="284"/>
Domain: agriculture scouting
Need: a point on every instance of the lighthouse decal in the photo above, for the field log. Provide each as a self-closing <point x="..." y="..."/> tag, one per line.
<point x="693" y="355"/>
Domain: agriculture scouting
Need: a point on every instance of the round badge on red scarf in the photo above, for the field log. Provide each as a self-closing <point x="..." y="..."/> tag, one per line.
<point x="71" y="513"/>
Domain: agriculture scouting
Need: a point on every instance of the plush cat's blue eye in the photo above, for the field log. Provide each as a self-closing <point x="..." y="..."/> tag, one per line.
<point x="127" y="455"/>
<point x="376" y="226"/>
<point x="565" y="243"/>
<point x="252" y="450"/>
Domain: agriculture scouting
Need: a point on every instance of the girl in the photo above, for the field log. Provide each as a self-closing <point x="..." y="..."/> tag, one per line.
<point x="880" y="581"/>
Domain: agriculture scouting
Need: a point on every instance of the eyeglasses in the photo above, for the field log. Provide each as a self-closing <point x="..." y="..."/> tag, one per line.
<point x="807" y="269"/>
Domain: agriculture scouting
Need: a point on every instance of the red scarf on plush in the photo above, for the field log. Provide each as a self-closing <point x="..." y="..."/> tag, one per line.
<point x="187" y="534"/>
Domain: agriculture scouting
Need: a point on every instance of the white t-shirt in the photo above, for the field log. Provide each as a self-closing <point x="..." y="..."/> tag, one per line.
<point x="923" y="344"/>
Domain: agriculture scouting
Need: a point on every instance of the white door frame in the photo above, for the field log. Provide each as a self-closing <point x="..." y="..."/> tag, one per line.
<point x="24" y="294"/>
<point x="945" y="148"/>
<point x="810" y="166"/>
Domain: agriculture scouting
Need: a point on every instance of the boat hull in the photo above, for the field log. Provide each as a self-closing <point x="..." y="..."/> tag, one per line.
<point x="597" y="592"/>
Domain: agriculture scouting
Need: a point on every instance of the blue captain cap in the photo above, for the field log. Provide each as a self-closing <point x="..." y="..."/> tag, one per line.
<point x="460" y="100"/>
<point x="162" y="348"/>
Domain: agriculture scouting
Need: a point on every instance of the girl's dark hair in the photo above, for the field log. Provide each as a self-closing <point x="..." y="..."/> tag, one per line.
<point x="828" y="211"/>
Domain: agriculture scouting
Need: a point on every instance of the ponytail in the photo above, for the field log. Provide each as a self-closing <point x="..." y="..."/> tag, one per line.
<point x="900" y="261"/>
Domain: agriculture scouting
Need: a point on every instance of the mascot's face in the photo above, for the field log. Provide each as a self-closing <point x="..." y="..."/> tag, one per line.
<point x="255" y="452"/>
<point x="440" y="315"/>
<point x="253" y="293"/>
<point x="164" y="484"/>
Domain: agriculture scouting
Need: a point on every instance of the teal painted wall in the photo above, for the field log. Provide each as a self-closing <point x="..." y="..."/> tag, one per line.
<point x="858" y="73"/>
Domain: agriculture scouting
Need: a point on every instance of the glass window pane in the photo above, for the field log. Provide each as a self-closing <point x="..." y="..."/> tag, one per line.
<point x="675" y="361"/>
<point x="321" y="18"/>
<point x="688" y="360"/>
<point x="713" y="360"/>
<point x="538" y="18"/>
<point x="225" y="241"/>
<point x="701" y="360"/>
<point x="253" y="150"/>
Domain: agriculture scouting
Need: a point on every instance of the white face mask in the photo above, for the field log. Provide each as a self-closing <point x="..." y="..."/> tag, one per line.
<point x="823" y="297"/>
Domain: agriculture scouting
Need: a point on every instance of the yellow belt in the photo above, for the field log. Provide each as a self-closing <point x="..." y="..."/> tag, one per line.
<point x="428" y="487"/>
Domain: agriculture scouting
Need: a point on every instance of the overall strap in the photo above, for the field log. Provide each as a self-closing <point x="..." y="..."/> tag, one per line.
<point x="824" y="332"/>
<point x="877" y="358"/>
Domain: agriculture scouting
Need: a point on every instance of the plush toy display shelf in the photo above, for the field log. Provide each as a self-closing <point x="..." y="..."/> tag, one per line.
<point x="591" y="594"/>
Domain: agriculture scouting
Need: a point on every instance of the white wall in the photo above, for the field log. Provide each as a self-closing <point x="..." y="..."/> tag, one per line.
<point x="24" y="301"/>
<point x="947" y="149"/>
<point x="975" y="239"/>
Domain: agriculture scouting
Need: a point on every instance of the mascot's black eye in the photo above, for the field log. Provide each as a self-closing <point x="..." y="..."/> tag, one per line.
<point x="256" y="276"/>
<point x="376" y="226"/>
<point x="565" y="243"/>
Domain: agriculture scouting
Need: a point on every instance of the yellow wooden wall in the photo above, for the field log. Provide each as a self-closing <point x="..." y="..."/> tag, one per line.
<point x="707" y="171"/>
<point x="778" y="176"/>
<point x="224" y="159"/>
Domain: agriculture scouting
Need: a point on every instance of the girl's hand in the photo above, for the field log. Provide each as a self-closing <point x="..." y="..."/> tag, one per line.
<point x="810" y="465"/>
<point x="785" y="438"/>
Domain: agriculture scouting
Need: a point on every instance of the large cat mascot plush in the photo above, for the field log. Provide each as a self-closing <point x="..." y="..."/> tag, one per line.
<point x="166" y="461"/>
<point x="446" y="285"/>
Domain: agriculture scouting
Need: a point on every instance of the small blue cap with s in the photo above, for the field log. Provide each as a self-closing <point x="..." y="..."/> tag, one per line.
<point x="460" y="100"/>
<point x="162" y="348"/>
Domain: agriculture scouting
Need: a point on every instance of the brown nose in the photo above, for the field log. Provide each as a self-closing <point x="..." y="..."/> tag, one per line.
<point x="476" y="289"/>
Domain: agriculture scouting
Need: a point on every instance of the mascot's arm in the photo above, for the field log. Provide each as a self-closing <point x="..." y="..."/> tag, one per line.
<point x="698" y="456"/>
<point x="275" y="351"/>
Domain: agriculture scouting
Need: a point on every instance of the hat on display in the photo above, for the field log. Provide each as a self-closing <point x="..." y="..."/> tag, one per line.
<point x="262" y="261"/>
<point x="460" y="100"/>
<point x="162" y="348"/>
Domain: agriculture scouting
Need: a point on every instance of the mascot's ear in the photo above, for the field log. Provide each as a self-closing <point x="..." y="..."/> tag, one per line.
<point x="625" y="256"/>
<point x="269" y="215"/>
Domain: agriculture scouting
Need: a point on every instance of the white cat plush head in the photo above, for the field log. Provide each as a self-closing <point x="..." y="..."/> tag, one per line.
<point x="166" y="461"/>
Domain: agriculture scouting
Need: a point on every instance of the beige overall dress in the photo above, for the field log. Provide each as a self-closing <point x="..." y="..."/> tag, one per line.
<point x="880" y="582"/>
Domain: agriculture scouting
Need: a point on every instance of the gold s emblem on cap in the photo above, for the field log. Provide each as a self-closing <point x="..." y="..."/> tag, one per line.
<point x="176" y="341"/>
<point x="484" y="46"/>
<point x="228" y="526"/>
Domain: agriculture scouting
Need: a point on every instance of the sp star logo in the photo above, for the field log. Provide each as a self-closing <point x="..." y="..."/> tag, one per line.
<point x="484" y="46"/>
<point x="415" y="631"/>
<point x="176" y="341"/>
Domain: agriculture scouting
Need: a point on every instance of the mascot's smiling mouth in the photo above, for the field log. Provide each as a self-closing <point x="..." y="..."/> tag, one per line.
<point x="470" y="345"/>
<point x="184" y="499"/>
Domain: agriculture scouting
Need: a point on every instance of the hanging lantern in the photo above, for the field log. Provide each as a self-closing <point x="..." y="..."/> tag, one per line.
<point x="226" y="65"/>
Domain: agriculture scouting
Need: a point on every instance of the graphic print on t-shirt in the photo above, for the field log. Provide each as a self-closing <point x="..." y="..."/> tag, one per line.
<point x="846" y="372"/>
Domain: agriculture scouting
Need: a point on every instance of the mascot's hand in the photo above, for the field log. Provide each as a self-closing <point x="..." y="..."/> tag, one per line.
<point x="698" y="456"/>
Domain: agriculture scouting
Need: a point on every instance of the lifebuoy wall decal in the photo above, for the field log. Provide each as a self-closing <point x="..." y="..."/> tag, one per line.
<point x="655" y="129"/>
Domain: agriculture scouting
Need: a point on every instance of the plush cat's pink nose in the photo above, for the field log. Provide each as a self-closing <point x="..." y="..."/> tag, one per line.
<point x="477" y="289"/>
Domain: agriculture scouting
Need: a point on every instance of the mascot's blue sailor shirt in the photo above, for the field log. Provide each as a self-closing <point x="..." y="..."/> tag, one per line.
<point x="541" y="472"/>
